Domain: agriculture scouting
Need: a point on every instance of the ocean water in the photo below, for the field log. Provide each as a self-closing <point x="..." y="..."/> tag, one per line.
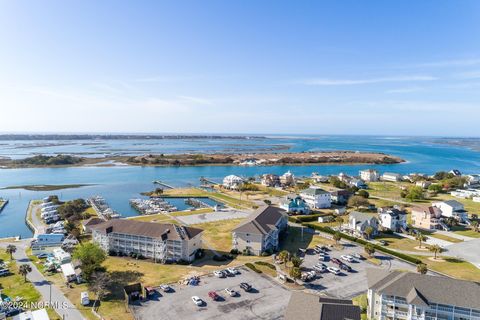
<point x="121" y="183"/>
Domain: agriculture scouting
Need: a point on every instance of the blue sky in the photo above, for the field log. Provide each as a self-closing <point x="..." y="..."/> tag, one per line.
<point x="315" y="67"/>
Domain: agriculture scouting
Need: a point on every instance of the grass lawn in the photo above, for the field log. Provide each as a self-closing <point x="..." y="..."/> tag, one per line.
<point x="265" y="269"/>
<point x="469" y="204"/>
<point x="362" y="302"/>
<point x="465" y="232"/>
<point x="231" y="198"/>
<point x="440" y="236"/>
<point x="386" y="189"/>
<point x="294" y="240"/>
<point x="218" y="234"/>
<point x="453" y="267"/>
<point x="399" y="243"/>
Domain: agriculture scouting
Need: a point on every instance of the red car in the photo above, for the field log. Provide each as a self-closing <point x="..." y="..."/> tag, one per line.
<point x="336" y="261"/>
<point x="213" y="295"/>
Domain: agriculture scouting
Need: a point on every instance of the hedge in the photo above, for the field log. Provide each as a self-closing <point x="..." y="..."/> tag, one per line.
<point x="251" y="266"/>
<point x="266" y="264"/>
<point x="306" y="218"/>
<point x="329" y="230"/>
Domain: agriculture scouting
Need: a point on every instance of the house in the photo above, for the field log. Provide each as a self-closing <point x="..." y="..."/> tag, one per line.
<point x="392" y="218"/>
<point x="40" y="314"/>
<point x="316" y="198"/>
<point x="452" y="208"/>
<point x="86" y="225"/>
<point x="260" y="231"/>
<point x="427" y="217"/>
<point x="232" y="182"/>
<point x="324" y="219"/>
<point x="412" y="296"/>
<point x="319" y="178"/>
<point x="473" y="180"/>
<point x="45" y="243"/>
<point x="287" y="179"/>
<point x="392" y="177"/>
<point x="369" y="175"/>
<point x="423" y="184"/>
<point x="295" y="205"/>
<point x="455" y="172"/>
<point x="61" y="256"/>
<point x="162" y="242"/>
<point x="344" y="177"/>
<point x="358" y="222"/>
<point x="307" y="306"/>
<point x="360" y="184"/>
<point x="469" y="193"/>
<point x="340" y="197"/>
<point x="271" y="180"/>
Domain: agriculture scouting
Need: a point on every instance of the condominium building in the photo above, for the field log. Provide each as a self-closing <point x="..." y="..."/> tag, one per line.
<point x="260" y="231"/>
<point x="412" y="296"/>
<point x="162" y="242"/>
<point x="307" y="306"/>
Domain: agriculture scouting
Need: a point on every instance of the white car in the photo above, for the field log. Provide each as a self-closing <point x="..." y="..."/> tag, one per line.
<point x="347" y="258"/>
<point x="319" y="268"/>
<point x="197" y="300"/>
<point x="165" y="288"/>
<point x="219" y="274"/>
<point x="233" y="270"/>
<point x="357" y="256"/>
<point x="333" y="270"/>
<point x="231" y="292"/>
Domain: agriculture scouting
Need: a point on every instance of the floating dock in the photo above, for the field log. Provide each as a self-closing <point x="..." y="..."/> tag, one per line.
<point x="163" y="184"/>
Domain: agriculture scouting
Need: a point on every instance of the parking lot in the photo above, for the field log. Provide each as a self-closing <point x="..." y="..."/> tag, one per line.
<point x="347" y="284"/>
<point x="267" y="300"/>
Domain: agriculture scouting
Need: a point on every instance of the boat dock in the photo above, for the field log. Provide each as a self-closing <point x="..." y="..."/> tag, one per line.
<point x="163" y="184"/>
<point x="3" y="203"/>
<point x="197" y="203"/>
<point x="102" y="209"/>
<point x="206" y="181"/>
<point x="152" y="206"/>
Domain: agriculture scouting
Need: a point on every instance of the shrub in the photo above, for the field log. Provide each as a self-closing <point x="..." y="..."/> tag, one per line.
<point x="234" y="251"/>
<point x="252" y="267"/>
<point x="266" y="264"/>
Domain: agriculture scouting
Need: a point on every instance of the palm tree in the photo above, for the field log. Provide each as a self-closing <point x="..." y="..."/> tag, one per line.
<point x="24" y="269"/>
<point x="435" y="249"/>
<point x="422" y="268"/>
<point x="475" y="225"/>
<point x="295" y="273"/>
<point x="296" y="261"/>
<point x="368" y="232"/>
<point x="421" y="238"/>
<point x="11" y="249"/>
<point x="339" y="220"/>
<point x="337" y="236"/>
<point x="283" y="256"/>
<point x="369" y="249"/>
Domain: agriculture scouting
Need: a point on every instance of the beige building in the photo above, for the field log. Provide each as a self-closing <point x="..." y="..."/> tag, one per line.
<point x="162" y="242"/>
<point x="427" y="217"/>
<point x="260" y="231"/>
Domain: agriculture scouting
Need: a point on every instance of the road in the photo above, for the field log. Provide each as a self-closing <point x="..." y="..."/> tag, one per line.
<point x="61" y="304"/>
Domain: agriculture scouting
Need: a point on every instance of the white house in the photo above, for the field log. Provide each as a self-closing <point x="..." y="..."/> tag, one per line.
<point x="45" y="243"/>
<point x="452" y="208"/>
<point x="369" y="175"/>
<point x="316" y="198"/>
<point x="473" y="180"/>
<point x="232" y="182"/>
<point x="287" y="179"/>
<point x="390" y="176"/>
<point x="392" y="218"/>
<point x="423" y="184"/>
<point x="358" y="222"/>
<point x="40" y="314"/>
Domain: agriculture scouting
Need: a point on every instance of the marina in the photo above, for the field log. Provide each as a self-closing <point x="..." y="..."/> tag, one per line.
<point x="102" y="209"/>
<point x="152" y="206"/>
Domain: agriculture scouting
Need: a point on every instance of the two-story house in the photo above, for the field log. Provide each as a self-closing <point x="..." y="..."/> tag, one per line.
<point x="358" y="222"/>
<point x="392" y="218"/>
<point x="317" y="198"/>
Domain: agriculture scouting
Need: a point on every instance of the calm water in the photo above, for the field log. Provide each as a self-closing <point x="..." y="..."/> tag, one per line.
<point x="119" y="184"/>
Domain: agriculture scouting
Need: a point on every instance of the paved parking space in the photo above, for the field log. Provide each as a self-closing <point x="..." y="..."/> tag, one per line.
<point x="268" y="300"/>
<point x="211" y="217"/>
<point x="348" y="284"/>
<point x="467" y="250"/>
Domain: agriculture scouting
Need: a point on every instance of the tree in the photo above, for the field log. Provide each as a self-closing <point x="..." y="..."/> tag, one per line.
<point x="284" y="256"/>
<point x="91" y="256"/>
<point x="420" y="238"/>
<point x="415" y="193"/>
<point x="368" y="232"/>
<point x="337" y="236"/>
<point x="24" y="269"/>
<point x="11" y="249"/>
<point x="435" y="188"/>
<point x="339" y="220"/>
<point x="357" y="201"/>
<point x="267" y="202"/>
<point x="422" y="268"/>
<point x="451" y="221"/>
<point x="364" y="194"/>
<point x="436" y="249"/>
<point x="295" y="273"/>
<point x="99" y="285"/>
<point x="475" y="225"/>
<point x="296" y="261"/>
<point x="369" y="249"/>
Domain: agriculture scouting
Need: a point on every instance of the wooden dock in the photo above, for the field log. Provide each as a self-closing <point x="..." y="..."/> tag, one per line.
<point x="163" y="184"/>
<point x="4" y="203"/>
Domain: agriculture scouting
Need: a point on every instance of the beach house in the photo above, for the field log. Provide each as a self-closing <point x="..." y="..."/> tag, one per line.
<point x="358" y="222"/>
<point x="316" y="198"/>
<point x="295" y="205"/>
<point x="427" y="217"/>
<point x="392" y="218"/>
<point x="369" y="175"/>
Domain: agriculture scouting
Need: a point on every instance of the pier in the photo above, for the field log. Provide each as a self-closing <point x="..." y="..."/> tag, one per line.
<point x="207" y="181"/>
<point x="163" y="184"/>
<point x="152" y="206"/>
<point x="3" y="203"/>
<point x="102" y="209"/>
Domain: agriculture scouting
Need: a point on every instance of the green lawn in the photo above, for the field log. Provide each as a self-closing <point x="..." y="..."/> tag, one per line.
<point x="453" y="267"/>
<point x="465" y="232"/>
<point x="399" y="243"/>
<point x="218" y="234"/>
<point x="362" y="302"/>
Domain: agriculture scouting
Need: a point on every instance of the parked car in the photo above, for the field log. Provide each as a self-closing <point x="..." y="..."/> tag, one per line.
<point x="336" y="261"/>
<point x="213" y="295"/>
<point x="84" y="299"/>
<point x="345" y="267"/>
<point x="219" y="274"/>
<point x="383" y="242"/>
<point x="4" y="272"/>
<point x="231" y="292"/>
<point x="347" y="258"/>
<point x="323" y="258"/>
<point x="197" y="300"/>
<point x="165" y="288"/>
<point x="233" y="270"/>
<point x="358" y="256"/>
<point x="228" y="273"/>
<point x="319" y="267"/>
<point x="333" y="270"/>
<point x="245" y="286"/>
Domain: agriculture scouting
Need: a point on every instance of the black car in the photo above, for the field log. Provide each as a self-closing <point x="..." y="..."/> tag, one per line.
<point x="245" y="286"/>
<point x="345" y="267"/>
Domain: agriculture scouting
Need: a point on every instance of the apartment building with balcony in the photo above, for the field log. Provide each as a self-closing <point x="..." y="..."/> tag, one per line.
<point x="162" y="242"/>
<point x="260" y="232"/>
<point x="401" y="295"/>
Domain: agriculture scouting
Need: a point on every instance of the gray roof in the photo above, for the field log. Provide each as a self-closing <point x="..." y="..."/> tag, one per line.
<point x="361" y="216"/>
<point x="147" y="229"/>
<point x="305" y="306"/>
<point x="312" y="191"/>
<point x="262" y="221"/>
<point x="425" y="289"/>
<point x="453" y="203"/>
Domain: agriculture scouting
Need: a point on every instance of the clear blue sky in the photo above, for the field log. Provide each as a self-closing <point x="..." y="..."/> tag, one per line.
<point x="326" y="67"/>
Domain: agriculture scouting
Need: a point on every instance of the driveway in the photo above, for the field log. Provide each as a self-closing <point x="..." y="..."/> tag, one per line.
<point x="60" y="303"/>
<point x="467" y="250"/>
<point x="211" y="217"/>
